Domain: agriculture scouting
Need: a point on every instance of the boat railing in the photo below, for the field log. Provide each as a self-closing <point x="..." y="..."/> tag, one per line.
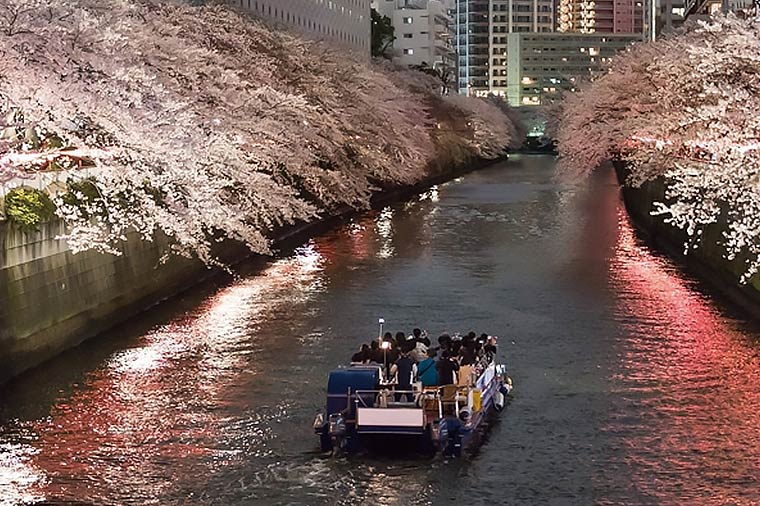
<point x="429" y="398"/>
<point x="360" y="397"/>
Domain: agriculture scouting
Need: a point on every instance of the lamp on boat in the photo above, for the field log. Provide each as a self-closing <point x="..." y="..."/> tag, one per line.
<point x="385" y="346"/>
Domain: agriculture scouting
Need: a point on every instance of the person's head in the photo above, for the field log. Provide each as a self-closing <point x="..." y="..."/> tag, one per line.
<point x="374" y="345"/>
<point x="400" y="337"/>
<point x="471" y="335"/>
<point x="417" y="333"/>
<point x="387" y="336"/>
<point x="444" y="340"/>
<point x="432" y="352"/>
<point x="455" y="347"/>
<point x="365" y="347"/>
<point x="483" y="338"/>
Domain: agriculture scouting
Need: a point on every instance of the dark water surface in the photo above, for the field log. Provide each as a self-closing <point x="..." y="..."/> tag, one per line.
<point x="632" y="385"/>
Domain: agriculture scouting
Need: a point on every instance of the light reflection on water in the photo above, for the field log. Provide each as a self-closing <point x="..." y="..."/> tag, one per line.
<point x="384" y="228"/>
<point x="152" y="416"/>
<point x="689" y="403"/>
<point x="20" y="481"/>
<point x="632" y="387"/>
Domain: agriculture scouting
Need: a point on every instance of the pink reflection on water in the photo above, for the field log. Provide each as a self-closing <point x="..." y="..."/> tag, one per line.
<point x="688" y="415"/>
<point x="148" y="423"/>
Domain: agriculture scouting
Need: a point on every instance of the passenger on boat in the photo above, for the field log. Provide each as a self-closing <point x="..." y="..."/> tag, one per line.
<point x="421" y="337"/>
<point x="447" y="367"/>
<point x="490" y="348"/>
<point x="404" y="370"/>
<point x="395" y="350"/>
<point x="456" y="345"/>
<point x="454" y="428"/>
<point x="362" y="356"/>
<point x="375" y="353"/>
<point x="419" y="350"/>
<point x="467" y="351"/>
<point x="479" y="345"/>
<point x="427" y="373"/>
<point x="444" y="342"/>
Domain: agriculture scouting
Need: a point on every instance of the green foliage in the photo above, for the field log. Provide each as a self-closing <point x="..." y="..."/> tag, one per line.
<point x="382" y="34"/>
<point x="83" y="194"/>
<point x="28" y="207"/>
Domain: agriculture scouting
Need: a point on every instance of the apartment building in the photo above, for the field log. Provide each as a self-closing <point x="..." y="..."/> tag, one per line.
<point x="343" y="22"/>
<point x="481" y="39"/>
<point x="602" y="16"/>
<point x="423" y="31"/>
<point x="544" y="65"/>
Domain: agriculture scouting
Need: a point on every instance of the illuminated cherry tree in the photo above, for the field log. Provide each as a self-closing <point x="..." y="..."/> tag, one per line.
<point x="202" y="124"/>
<point x="686" y="109"/>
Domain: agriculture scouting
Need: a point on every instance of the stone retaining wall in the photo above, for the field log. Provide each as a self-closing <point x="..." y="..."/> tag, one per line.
<point x="707" y="261"/>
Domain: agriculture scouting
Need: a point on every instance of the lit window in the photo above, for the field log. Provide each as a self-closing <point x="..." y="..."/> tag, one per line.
<point x="408" y="51"/>
<point x="408" y="21"/>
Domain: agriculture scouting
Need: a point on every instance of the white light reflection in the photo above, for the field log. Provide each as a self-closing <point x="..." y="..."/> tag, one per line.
<point x="20" y="481"/>
<point x="356" y="229"/>
<point x="384" y="227"/>
<point x="221" y="332"/>
<point x="432" y="195"/>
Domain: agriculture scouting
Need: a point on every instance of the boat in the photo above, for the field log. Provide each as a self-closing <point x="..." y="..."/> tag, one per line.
<point x="363" y="412"/>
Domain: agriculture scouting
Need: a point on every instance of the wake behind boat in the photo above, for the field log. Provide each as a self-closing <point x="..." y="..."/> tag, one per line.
<point x="371" y="404"/>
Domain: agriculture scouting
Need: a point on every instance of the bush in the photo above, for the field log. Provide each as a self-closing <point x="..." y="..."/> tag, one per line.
<point x="28" y="207"/>
<point x="84" y="195"/>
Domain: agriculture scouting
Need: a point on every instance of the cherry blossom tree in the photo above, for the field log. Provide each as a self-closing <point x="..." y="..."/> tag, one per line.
<point x="204" y="124"/>
<point x="685" y="109"/>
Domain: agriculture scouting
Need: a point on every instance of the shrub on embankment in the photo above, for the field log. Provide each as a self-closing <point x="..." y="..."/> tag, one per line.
<point x="28" y="207"/>
<point x="203" y="123"/>
<point x="684" y="109"/>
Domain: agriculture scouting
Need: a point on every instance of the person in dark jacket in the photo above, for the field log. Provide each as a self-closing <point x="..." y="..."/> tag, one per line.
<point x="467" y="351"/>
<point x="444" y="342"/>
<point x="417" y="333"/>
<point x="454" y="428"/>
<point x="404" y="369"/>
<point x="447" y="366"/>
<point x="362" y="356"/>
<point x="375" y="353"/>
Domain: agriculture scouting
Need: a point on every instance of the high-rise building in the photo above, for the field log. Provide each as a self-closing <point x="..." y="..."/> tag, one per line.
<point x="423" y="32"/>
<point x="481" y="29"/>
<point x="601" y="16"/>
<point x="342" y="22"/>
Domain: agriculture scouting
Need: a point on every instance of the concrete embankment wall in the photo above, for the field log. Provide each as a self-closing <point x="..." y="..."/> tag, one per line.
<point x="52" y="300"/>
<point x="707" y="262"/>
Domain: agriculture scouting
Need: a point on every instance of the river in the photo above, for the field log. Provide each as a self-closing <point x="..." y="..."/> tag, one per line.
<point x="633" y="386"/>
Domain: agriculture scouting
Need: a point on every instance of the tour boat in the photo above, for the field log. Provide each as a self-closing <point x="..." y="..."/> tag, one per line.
<point x="362" y="414"/>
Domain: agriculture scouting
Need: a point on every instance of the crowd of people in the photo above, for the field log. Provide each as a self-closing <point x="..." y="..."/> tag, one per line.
<point x="407" y="360"/>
